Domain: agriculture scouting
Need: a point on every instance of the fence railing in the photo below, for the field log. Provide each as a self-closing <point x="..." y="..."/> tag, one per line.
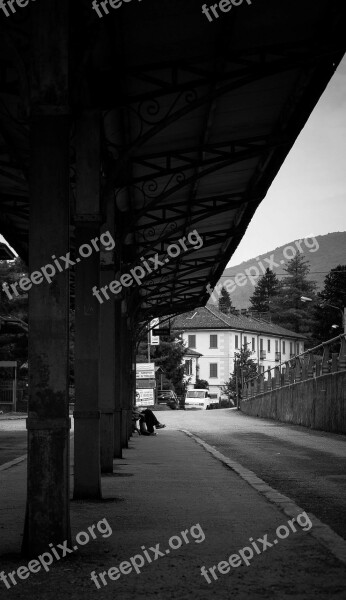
<point x="317" y="361"/>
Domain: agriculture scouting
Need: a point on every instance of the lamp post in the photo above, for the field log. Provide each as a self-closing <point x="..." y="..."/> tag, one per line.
<point x="323" y="304"/>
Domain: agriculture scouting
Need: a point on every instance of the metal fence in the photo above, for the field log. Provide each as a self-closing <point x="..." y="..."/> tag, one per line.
<point x="321" y="360"/>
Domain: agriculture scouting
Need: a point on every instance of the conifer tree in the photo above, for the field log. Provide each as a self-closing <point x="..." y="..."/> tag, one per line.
<point x="266" y="289"/>
<point x="286" y="308"/>
<point x="225" y="302"/>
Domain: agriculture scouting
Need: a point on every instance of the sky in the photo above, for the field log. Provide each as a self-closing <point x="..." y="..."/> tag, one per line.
<point x="308" y="195"/>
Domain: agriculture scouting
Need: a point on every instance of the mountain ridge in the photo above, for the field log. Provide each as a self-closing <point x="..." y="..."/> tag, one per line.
<point x="324" y="252"/>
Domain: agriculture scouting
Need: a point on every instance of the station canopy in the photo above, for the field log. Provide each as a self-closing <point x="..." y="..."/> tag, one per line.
<point x="197" y="119"/>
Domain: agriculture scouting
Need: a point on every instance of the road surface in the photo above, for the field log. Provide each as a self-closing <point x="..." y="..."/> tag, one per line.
<point x="307" y="466"/>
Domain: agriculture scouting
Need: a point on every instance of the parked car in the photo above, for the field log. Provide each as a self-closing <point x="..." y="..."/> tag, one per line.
<point x="197" y="400"/>
<point x="168" y="397"/>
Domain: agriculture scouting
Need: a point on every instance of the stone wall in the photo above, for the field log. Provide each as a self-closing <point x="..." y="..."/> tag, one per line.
<point x="319" y="403"/>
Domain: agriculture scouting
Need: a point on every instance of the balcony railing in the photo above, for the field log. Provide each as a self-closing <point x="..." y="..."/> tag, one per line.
<point x="277" y="356"/>
<point x="263" y="354"/>
<point x="321" y="360"/>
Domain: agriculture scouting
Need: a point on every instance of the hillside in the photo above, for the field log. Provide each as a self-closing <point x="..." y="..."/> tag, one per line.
<point x="323" y="252"/>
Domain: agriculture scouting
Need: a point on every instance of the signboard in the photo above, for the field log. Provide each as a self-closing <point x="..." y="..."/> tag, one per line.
<point x="145" y="371"/>
<point x="154" y="339"/>
<point x="146" y="383"/>
<point x="162" y="331"/>
<point x="144" y="397"/>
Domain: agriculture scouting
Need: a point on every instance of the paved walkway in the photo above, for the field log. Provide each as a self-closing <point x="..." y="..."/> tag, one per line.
<point x="163" y="486"/>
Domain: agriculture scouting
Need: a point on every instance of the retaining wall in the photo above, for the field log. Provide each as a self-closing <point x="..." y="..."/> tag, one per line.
<point x="318" y="403"/>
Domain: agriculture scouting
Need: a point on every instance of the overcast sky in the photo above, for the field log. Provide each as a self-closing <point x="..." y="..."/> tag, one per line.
<point x="308" y="195"/>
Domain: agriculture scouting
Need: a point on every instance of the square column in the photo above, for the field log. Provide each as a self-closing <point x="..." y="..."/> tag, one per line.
<point x="48" y="423"/>
<point x="87" y="470"/>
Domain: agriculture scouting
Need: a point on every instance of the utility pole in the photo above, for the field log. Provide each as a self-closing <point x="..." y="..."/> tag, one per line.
<point x="148" y="342"/>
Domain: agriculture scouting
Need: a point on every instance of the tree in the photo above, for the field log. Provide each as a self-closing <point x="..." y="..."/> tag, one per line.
<point x="245" y="367"/>
<point x="201" y="384"/>
<point x="334" y="292"/>
<point x="169" y="356"/>
<point x="13" y="346"/>
<point x="225" y="302"/>
<point x="266" y="289"/>
<point x="287" y="309"/>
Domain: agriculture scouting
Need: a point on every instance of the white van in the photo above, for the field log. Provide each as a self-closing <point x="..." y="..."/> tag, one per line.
<point x="197" y="399"/>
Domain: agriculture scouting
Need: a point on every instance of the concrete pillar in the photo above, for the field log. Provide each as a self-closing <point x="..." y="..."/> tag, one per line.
<point x="107" y="386"/>
<point x="48" y="418"/>
<point x="107" y="377"/>
<point x="118" y="453"/>
<point x="47" y="510"/>
<point x="124" y="385"/>
<point x="87" y="478"/>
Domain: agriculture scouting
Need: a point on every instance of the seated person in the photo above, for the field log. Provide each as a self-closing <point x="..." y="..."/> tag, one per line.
<point x="147" y="421"/>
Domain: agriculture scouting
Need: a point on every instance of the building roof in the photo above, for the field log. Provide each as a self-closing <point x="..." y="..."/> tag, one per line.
<point x="208" y="317"/>
<point x="190" y="352"/>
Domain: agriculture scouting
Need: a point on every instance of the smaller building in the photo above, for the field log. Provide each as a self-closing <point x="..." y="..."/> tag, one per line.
<point x="191" y="366"/>
<point x="213" y="338"/>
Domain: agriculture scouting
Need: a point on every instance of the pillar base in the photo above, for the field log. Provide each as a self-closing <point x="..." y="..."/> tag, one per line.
<point x="87" y="471"/>
<point x="124" y="428"/>
<point x="47" y="518"/>
<point x="118" y="447"/>
<point x="107" y="441"/>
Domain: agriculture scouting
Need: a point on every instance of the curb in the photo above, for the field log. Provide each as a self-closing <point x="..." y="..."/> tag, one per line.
<point x="320" y="531"/>
<point x="13" y="463"/>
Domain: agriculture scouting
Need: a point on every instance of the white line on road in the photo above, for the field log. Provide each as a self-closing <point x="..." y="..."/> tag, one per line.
<point x="320" y="531"/>
<point x="13" y="463"/>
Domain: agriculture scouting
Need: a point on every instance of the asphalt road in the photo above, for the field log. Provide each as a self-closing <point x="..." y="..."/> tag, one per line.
<point x="307" y="466"/>
<point x="13" y="437"/>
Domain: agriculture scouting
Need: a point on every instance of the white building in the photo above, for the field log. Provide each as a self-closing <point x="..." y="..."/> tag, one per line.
<point x="215" y="337"/>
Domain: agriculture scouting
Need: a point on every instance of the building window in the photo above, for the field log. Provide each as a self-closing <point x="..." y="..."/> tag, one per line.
<point x="253" y="344"/>
<point x="213" y="341"/>
<point x="191" y="341"/>
<point x="188" y="367"/>
<point x="236" y="343"/>
<point x="291" y="348"/>
<point x="213" y="370"/>
<point x="297" y="348"/>
<point x="276" y="345"/>
<point x="268" y="345"/>
<point x="283" y="347"/>
<point x="261" y="345"/>
<point x="245" y="341"/>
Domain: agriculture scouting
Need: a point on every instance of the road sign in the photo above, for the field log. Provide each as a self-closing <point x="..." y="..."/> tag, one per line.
<point x="145" y="371"/>
<point x="144" y="397"/>
<point x="146" y="383"/>
<point x="162" y="331"/>
<point x="154" y="339"/>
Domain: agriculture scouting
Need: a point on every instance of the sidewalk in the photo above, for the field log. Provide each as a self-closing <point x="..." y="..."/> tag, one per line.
<point x="162" y="487"/>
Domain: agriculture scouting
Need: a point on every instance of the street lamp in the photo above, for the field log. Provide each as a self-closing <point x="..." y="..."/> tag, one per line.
<point x="323" y="304"/>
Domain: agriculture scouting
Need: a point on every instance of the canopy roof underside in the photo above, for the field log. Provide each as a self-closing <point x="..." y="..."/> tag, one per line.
<point x="197" y="119"/>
